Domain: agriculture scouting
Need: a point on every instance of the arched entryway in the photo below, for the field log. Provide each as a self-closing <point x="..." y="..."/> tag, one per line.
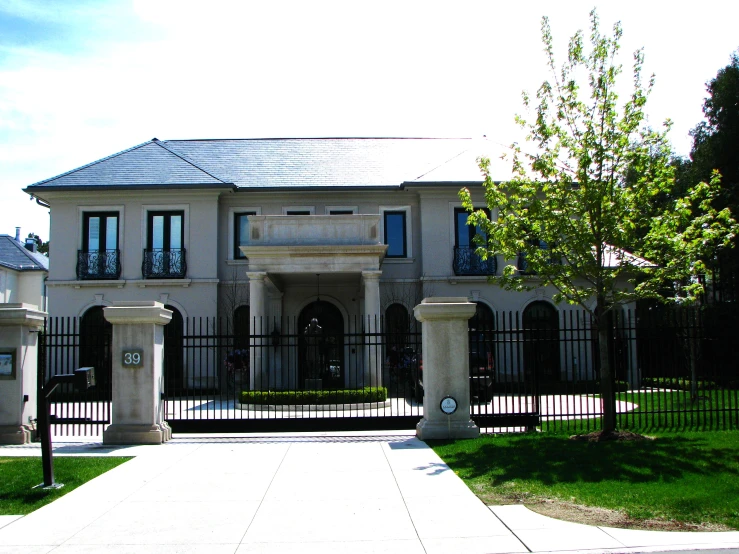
<point x="321" y="345"/>
<point x="541" y="341"/>
<point x="96" y="338"/>
<point x="174" y="362"/>
<point x="481" y="329"/>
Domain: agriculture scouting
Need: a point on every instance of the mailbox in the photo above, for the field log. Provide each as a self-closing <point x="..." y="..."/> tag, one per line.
<point x="84" y="378"/>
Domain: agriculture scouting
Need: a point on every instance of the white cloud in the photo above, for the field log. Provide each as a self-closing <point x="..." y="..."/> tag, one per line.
<point x="184" y="69"/>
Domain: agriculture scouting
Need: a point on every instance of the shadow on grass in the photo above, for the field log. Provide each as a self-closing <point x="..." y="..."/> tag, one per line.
<point x="554" y="459"/>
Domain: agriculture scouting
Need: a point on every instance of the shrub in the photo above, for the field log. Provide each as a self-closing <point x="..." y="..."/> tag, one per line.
<point x="293" y="398"/>
<point x="678" y="383"/>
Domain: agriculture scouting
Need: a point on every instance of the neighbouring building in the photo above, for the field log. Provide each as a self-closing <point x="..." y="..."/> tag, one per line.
<point x="23" y="271"/>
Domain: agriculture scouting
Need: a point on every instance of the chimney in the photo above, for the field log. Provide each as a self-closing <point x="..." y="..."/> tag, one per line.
<point x="31" y="244"/>
<point x="18" y="234"/>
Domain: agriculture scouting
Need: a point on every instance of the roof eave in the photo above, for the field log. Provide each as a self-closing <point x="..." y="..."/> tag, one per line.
<point x="36" y="189"/>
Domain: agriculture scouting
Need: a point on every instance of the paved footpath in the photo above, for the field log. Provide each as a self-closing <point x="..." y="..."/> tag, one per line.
<point x="322" y="493"/>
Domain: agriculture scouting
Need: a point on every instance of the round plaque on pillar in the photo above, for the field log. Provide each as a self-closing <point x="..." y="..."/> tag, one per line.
<point x="448" y="405"/>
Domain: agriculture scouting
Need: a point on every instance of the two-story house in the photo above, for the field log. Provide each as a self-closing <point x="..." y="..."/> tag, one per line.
<point x="264" y="230"/>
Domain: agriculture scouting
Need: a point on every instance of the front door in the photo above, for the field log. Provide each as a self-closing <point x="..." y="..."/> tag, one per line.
<point x="321" y="345"/>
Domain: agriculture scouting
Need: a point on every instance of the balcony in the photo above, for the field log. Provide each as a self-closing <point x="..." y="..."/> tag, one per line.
<point x="99" y="264"/>
<point x="466" y="262"/>
<point x="164" y="264"/>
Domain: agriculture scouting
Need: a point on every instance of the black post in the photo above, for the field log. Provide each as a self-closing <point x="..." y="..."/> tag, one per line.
<point x="45" y="428"/>
<point x="83" y="379"/>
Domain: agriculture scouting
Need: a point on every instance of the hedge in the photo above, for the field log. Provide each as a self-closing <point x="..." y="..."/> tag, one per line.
<point x="678" y="383"/>
<point x="293" y="398"/>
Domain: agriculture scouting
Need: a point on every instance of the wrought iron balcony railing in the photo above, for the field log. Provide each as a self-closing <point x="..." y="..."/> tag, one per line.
<point x="466" y="262"/>
<point x="164" y="264"/>
<point x="98" y="264"/>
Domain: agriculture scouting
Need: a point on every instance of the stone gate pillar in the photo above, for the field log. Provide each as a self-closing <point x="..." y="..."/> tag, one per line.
<point x="138" y="379"/>
<point x="446" y="367"/>
<point x="19" y="327"/>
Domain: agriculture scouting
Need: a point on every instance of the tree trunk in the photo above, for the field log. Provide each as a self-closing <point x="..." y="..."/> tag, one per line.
<point x="607" y="392"/>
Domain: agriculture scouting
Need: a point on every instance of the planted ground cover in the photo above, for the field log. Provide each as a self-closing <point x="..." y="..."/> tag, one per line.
<point x="18" y="476"/>
<point x="303" y="397"/>
<point x="683" y="480"/>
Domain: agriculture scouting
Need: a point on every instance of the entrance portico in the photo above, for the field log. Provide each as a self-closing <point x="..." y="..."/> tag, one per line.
<point x="290" y="257"/>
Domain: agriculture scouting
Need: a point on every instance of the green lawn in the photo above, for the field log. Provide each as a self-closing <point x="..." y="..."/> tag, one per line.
<point x="18" y="476"/>
<point x="689" y="477"/>
<point x="664" y="410"/>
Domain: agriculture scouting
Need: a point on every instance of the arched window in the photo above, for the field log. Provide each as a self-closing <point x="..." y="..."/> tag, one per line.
<point x="541" y="341"/>
<point x="241" y="327"/>
<point x="96" y="337"/>
<point x="481" y="332"/>
<point x="174" y="369"/>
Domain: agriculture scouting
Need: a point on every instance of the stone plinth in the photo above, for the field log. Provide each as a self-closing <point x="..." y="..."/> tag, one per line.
<point x="445" y="367"/>
<point x="19" y="328"/>
<point x="137" y="408"/>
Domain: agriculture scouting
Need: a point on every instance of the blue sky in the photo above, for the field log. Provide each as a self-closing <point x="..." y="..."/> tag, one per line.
<point x="80" y="80"/>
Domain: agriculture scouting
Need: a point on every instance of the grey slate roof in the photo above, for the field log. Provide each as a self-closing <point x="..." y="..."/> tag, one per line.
<point x="145" y="165"/>
<point x="14" y="255"/>
<point x="276" y="163"/>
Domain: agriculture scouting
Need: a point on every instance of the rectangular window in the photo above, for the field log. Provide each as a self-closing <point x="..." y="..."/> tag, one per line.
<point x="464" y="234"/>
<point x="297" y="212"/>
<point x="99" y="257"/>
<point x="165" y="230"/>
<point x="341" y="212"/>
<point x="241" y="233"/>
<point x="100" y="231"/>
<point x="394" y="225"/>
<point x="165" y="254"/>
<point x="466" y="261"/>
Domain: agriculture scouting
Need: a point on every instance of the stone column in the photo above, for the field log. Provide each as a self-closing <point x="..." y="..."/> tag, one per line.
<point x="138" y="382"/>
<point x="19" y="327"/>
<point x="446" y="370"/>
<point x="257" y="326"/>
<point x="372" y="344"/>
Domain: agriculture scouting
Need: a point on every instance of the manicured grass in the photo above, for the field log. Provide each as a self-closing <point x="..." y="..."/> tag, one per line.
<point x="689" y="477"/>
<point x="18" y="476"/>
<point x="662" y="410"/>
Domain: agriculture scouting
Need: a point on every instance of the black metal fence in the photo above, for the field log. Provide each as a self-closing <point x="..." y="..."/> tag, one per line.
<point x="672" y="368"/>
<point x="292" y="374"/>
<point x="67" y="344"/>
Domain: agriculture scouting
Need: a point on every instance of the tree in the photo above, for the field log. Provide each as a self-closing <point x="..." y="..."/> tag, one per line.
<point x="574" y="207"/>
<point x="42" y="247"/>
<point x="715" y="145"/>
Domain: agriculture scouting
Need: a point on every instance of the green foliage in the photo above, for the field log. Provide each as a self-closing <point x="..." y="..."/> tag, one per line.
<point x="716" y="139"/>
<point x="575" y="207"/>
<point x="315" y="397"/>
<point x="687" y="477"/>
<point x="41" y="246"/>
<point x="679" y="383"/>
<point x="19" y="476"/>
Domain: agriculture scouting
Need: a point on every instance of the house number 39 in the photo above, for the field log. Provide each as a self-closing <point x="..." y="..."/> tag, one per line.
<point x="133" y="358"/>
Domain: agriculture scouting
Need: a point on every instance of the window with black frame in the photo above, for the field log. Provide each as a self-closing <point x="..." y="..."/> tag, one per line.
<point x="99" y="257"/>
<point x="165" y="255"/>
<point x="241" y="233"/>
<point x="466" y="261"/>
<point x="394" y="224"/>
